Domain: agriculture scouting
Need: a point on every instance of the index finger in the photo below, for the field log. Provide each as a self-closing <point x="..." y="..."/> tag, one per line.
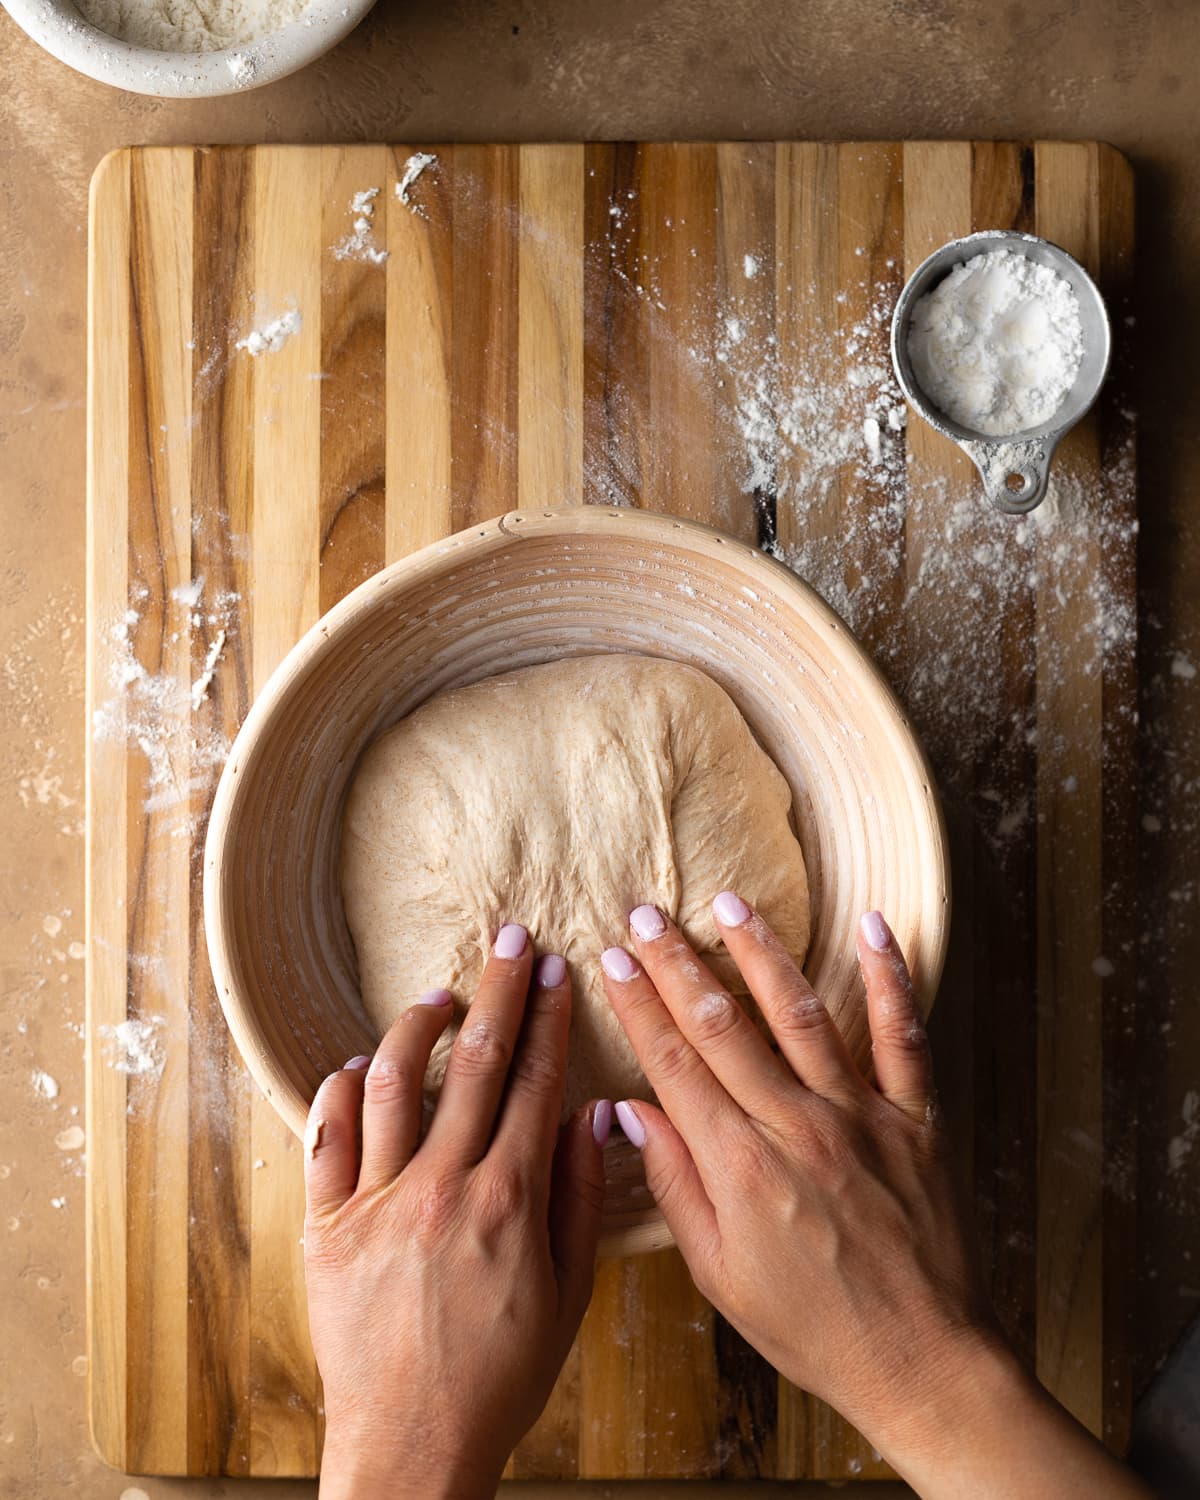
<point x="696" y="1103"/>
<point x="807" y="1034"/>
<point x="478" y="1067"/>
<point x="527" y="1131"/>
<point x="712" y="1020"/>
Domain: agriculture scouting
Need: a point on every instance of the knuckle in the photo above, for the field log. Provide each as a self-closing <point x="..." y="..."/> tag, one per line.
<point x="590" y="1190"/>
<point x="388" y="1082"/>
<point x="670" y="1057"/>
<point x="798" y="1013"/>
<point x="502" y="1196"/>
<point x="538" y="1070"/>
<point x="435" y="1206"/>
<point x="903" y="1033"/>
<point x="748" y="1158"/>
<point x="481" y="1050"/>
<point x="715" y="1017"/>
<point x="825" y="1149"/>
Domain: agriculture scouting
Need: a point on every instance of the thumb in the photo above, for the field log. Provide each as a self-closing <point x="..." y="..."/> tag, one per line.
<point x="673" y="1179"/>
<point x="576" y="1203"/>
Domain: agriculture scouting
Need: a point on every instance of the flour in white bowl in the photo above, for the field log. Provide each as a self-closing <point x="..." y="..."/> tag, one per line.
<point x="997" y="345"/>
<point x="190" y="25"/>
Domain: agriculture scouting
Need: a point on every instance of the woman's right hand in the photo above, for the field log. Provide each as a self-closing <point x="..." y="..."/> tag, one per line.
<point x="819" y="1213"/>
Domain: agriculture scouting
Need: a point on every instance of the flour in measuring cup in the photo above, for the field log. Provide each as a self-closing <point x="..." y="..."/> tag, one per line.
<point x="997" y="344"/>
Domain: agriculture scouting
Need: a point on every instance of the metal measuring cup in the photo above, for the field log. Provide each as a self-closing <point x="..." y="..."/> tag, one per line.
<point x="1015" y="467"/>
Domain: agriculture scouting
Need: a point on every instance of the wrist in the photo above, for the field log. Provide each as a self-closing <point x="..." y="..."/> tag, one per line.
<point x="357" y="1466"/>
<point x="942" y="1422"/>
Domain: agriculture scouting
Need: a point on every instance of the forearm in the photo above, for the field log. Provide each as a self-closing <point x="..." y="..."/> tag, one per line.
<point x="984" y="1427"/>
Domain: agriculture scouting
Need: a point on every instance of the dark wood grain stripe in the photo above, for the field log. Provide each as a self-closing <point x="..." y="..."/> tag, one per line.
<point x="745" y="291"/>
<point x="353" y="381"/>
<point x="484" y="340"/>
<point x="615" y="359"/>
<point x="218" y="1411"/>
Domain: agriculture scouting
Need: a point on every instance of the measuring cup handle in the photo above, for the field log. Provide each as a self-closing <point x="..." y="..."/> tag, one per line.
<point x="1015" y="475"/>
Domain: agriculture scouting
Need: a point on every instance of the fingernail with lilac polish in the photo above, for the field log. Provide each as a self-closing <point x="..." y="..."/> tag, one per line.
<point x="876" y="932"/>
<point x="730" y="910"/>
<point x="434" y="997"/>
<point x="617" y="964"/>
<point x="647" y="922"/>
<point x="552" y="970"/>
<point x="510" y="941"/>
<point x="602" y="1118"/>
<point x="635" y="1131"/>
<point x="357" y="1062"/>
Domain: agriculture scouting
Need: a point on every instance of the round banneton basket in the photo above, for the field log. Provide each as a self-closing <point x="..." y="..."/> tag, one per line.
<point x="529" y="587"/>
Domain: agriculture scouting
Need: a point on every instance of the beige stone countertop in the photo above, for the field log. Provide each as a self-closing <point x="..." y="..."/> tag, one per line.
<point x="1117" y="70"/>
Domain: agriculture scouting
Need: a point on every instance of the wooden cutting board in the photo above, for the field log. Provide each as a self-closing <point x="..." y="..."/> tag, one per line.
<point x="694" y="328"/>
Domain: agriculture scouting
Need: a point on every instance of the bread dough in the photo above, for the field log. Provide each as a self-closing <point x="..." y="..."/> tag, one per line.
<point x="562" y="796"/>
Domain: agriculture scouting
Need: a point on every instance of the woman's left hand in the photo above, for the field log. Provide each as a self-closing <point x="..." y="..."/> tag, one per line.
<point x="447" y="1277"/>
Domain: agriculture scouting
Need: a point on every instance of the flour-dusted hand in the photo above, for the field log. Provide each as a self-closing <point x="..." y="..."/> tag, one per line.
<point x="820" y="1214"/>
<point x="447" y="1276"/>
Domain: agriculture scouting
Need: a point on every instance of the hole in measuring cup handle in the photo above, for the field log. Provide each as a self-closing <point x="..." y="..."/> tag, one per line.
<point x="1015" y="474"/>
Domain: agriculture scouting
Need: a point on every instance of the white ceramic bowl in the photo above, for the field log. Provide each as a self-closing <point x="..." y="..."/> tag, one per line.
<point x="66" y="34"/>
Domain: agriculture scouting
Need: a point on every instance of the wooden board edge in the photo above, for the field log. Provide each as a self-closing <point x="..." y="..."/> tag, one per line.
<point x="104" y="1221"/>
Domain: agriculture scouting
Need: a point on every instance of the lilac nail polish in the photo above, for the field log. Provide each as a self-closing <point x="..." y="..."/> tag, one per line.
<point x="730" y="910"/>
<point x="635" y="1131"/>
<point x="876" y="932"/>
<point x="434" y="997"/>
<point x="602" y="1118"/>
<point x="357" y="1063"/>
<point x="551" y="972"/>
<point x="618" y="965"/>
<point x="510" y="941"/>
<point x="647" y="922"/>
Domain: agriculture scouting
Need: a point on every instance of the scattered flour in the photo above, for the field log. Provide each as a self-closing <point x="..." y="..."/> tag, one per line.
<point x="821" y="445"/>
<point x="272" y="336"/>
<point x="202" y="683"/>
<point x="359" y="244"/>
<point x="192" y="25"/>
<point x="418" y="162"/>
<point x="242" y="68"/>
<point x="156" y="712"/>
<point x="189" y="594"/>
<point x="998" y="343"/>
<point x="43" y="1085"/>
<point x="1179" y="1148"/>
<point x="70" y="1139"/>
<point x="751" y="266"/>
<point x="135" y="1047"/>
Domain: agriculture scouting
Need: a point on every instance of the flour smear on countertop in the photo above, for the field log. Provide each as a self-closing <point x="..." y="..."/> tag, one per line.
<point x="162" y="716"/>
<point x="193" y="25"/>
<point x="359" y="243"/>
<point x="416" y="165"/>
<point x="271" y="336"/>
